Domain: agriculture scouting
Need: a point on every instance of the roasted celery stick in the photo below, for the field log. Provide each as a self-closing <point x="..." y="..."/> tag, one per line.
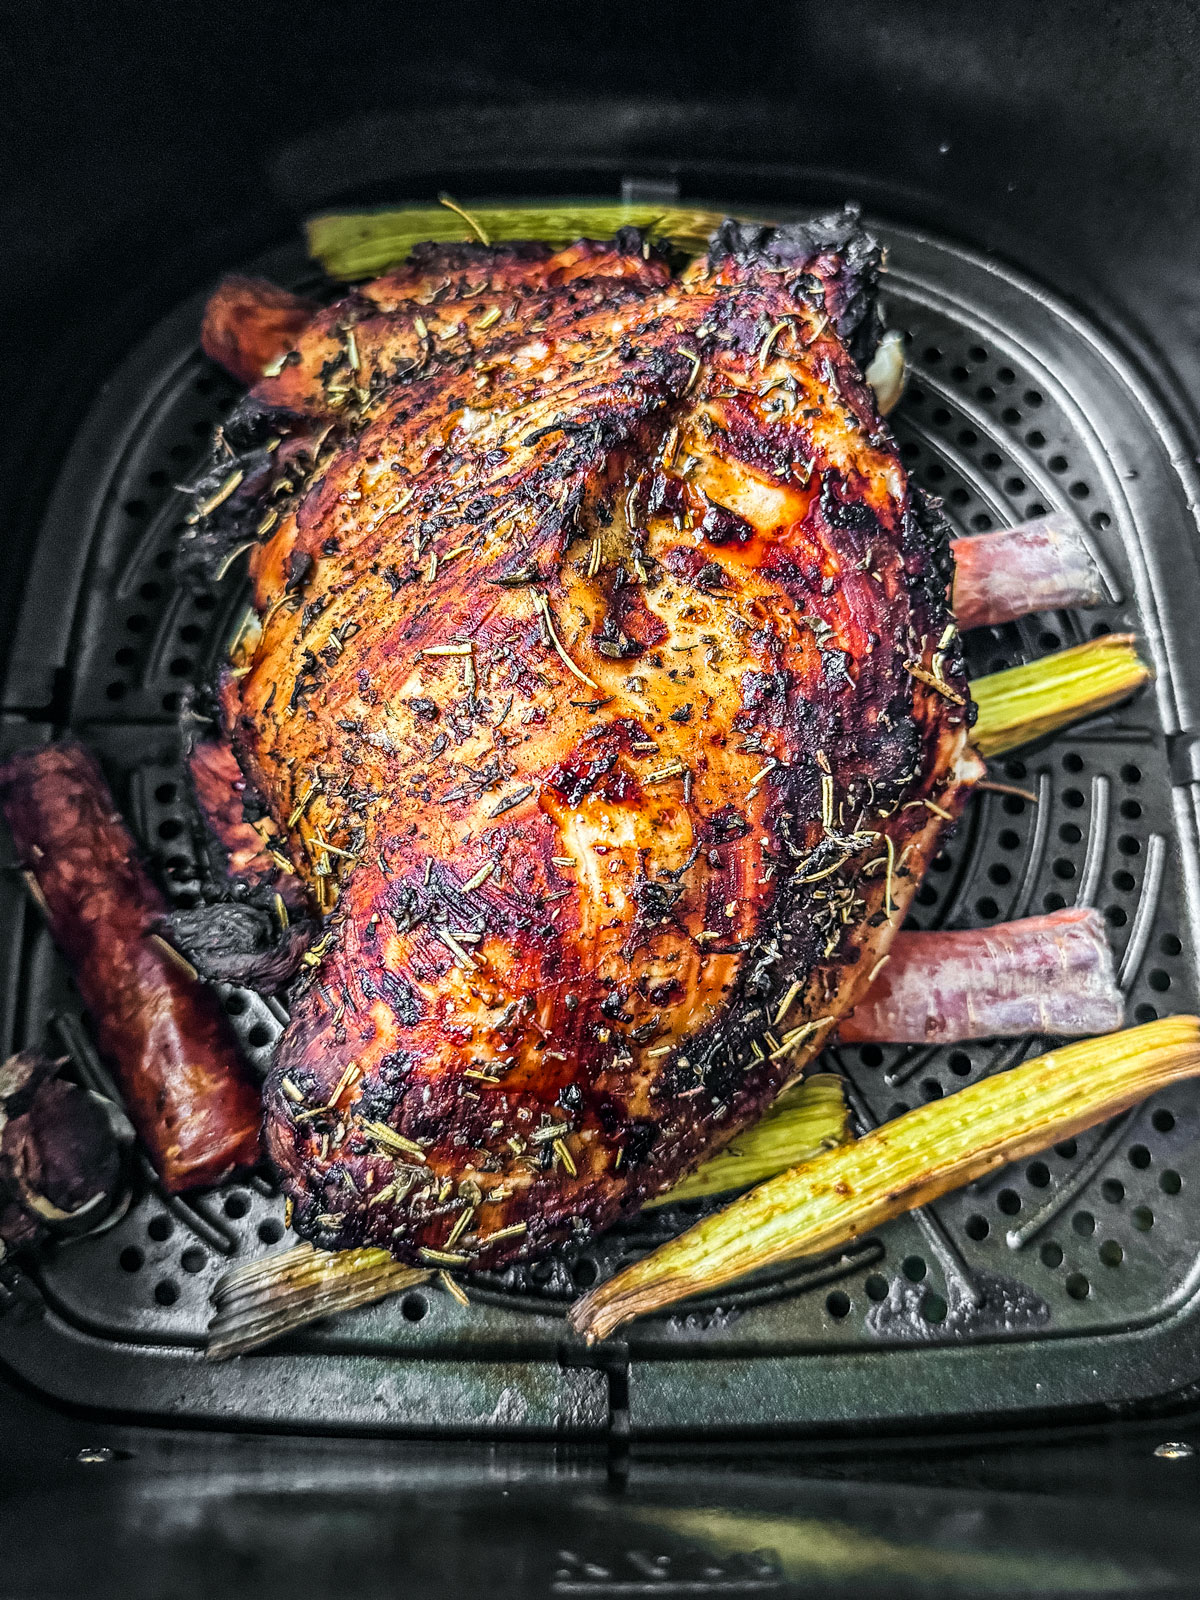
<point x="268" y="1298"/>
<point x="848" y="1191"/>
<point x="1026" y="702"/>
<point x="359" y="244"/>
<point x="806" y="1119"/>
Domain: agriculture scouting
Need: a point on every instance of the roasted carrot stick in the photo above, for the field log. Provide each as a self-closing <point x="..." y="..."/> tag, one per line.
<point x="249" y="323"/>
<point x="1051" y="975"/>
<point x="187" y="1092"/>
<point x="1036" y="566"/>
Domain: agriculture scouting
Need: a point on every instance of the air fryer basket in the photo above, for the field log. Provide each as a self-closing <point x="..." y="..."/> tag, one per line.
<point x="1086" y="1259"/>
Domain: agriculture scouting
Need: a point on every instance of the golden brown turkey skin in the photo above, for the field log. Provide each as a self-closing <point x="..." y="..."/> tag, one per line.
<point x="607" y="675"/>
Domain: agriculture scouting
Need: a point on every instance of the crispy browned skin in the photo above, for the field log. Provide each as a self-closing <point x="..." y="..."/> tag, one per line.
<point x="609" y="657"/>
<point x="186" y="1090"/>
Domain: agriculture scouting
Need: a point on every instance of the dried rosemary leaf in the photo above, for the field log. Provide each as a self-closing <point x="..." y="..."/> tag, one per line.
<point x="849" y="1191"/>
<point x="804" y="1121"/>
<point x="1028" y="702"/>
<point x="359" y="244"/>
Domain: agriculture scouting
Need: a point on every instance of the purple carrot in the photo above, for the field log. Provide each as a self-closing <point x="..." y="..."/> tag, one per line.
<point x="1037" y="566"/>
<point x="1051" y="975"/>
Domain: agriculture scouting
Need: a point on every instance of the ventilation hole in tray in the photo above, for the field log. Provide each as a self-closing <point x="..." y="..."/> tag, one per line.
<point x="1011" y="415"/>
<point x="1034" y="438"/>
<point x="913" y="1268"/>
<point x="986" y="908"/>
<point x="585" y="1272"/>
<point x="838" y="1304"/>
<point x="1053" y="901"/>
<point x="897" y="1109"/>
<point x="1111" y="1254"/>
<point x="977" y="1228"/>
<point x="1009" y="1201"/>
<point x="193" y="1259"/>
<point x="1139" y="1157"/>
<point x="1123" y="881"/>
<point x="931" y="1089"/>
<point x="1159" y="980"/>
<point x="933" y="1308"/>
<point x="1035" y="508"/>
<point x="1170" y="944"/>
<point x="1145" y="1014"/>
<point x="871" y="1055"/>
<point x="1084" y="1224"/>
<point x="1008" y="840"/>
<point x="270" y="1231"/>
<point x="413" y="1307"/>
<point x="1078" y="1286"/>
<point x="1063" y="868"/>
<point x="1129" y="845"/>
<point x="876" y="1287"/>
<point x="235" y="1003"/>
<point x="259" y="1036"/>
<point x="125" y="656"/>
<point x="1070" y="833"/>
<point x="165" y="793"/>
<point x="1162" y="1121"/>
<point x="1057" y="463"/>
<point x="1066" y="1148"/>
<point x="160" y="1228"/>
<point x="131" y="1258"/>
<point x="1073" y="798"/>
<point x="116" y="691"/>
<point x="960" y="1064"/>
<point x="1113" y="1191"/>
<point x="1142" y="1218"/>
<point x="1015" y="485"/>
<point x="236" y="1205"/>
<point x="1116" y="916"/>
<point x="166" y="1292"/>
<point x="1038" y="1174"/>
<point x="1170" y="1182"/>
<point x="1051" y="1254"/>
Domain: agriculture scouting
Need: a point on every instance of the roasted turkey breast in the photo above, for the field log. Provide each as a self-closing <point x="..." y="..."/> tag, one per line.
<point x="603" y="691"/>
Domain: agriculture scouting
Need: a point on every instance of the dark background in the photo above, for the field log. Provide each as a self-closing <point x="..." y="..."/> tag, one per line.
<point x="144" y="148"/>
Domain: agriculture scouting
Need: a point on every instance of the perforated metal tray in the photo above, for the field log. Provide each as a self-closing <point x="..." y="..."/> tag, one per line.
<point x="1088" y="1258"/>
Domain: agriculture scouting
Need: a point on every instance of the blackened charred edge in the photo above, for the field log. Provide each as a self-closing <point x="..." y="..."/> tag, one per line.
<point x="240" y="446"/>
<point x="795" y="245"/>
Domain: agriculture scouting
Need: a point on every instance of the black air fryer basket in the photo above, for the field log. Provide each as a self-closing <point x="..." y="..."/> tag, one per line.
<point x="1024" y="184"/>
